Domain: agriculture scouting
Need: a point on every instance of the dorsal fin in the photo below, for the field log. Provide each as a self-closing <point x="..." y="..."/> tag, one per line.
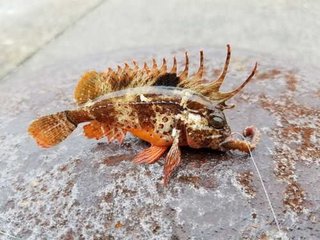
<point x="94" y="84"/>
<point x="89" y="87"/>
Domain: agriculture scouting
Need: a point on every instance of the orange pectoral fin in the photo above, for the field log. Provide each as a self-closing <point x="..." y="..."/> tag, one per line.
<point x="115" y="134"/>
<point x="98" y="130"/>
<point x="150" y="155"/>
<point x="93" y="130"/>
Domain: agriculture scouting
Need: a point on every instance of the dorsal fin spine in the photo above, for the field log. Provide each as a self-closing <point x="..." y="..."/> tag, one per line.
<point x="94" y="84"/>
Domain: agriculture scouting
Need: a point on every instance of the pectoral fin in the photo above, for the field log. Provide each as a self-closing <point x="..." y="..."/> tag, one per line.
<point x="97" y="130"/>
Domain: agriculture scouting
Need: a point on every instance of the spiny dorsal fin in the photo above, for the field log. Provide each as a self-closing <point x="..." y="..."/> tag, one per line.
<point x="94" y="84"/>
<point x="89" y="87"/>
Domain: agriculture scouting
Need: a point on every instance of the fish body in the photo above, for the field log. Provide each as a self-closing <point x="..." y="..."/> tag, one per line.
<point x="160" y="107"/>
<point x="154" y="113"/>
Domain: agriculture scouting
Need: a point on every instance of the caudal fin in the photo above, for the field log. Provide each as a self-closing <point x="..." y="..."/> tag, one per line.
<point x="51" y="129"/>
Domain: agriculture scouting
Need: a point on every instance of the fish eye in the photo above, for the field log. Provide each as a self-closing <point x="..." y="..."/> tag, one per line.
<point x="217" y="122"/>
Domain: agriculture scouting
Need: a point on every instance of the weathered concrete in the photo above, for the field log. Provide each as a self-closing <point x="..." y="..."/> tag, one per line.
<point x="83" y="188"/>
<point x="26" y="26"/>
<point x="287" y="29"/>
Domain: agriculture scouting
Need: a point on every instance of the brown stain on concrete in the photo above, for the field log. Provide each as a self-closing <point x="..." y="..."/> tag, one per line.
<point x="294" y="140"/>
<point x="291" y="81"/>
<point x="245" y="180"/>
<point x="194" y="180"/>
<point x="269" y="74"/>
<point x="299" y="126"/>
<point x="285" y="169"/>
<point x="294" y="197"/>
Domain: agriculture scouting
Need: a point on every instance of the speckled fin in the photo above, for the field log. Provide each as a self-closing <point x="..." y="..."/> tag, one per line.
<point x="94" y="84"/>
<point x="150" y="155"/>
<point x="52" y="129"/>
<point x="98" y="130"/>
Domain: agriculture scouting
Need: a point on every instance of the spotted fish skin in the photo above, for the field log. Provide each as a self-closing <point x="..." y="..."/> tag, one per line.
<point x="152" y="113"/>
<point x="157" y="105"/>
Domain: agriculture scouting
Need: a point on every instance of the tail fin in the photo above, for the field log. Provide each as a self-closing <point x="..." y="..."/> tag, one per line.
<point x="51" y="129"/>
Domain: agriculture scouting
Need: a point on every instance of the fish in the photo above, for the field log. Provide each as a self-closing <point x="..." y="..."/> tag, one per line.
<point x="157" y="105"/>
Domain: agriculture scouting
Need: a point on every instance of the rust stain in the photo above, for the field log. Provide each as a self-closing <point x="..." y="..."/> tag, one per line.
<point x="118" y="225"/>
<point x="108" y="197"/>
<point x="291" y="81"/>
<point x="285" y="169"/>
<point x="294" y="197"/>
<point x="306" y="136"/>
<point x="245" y="180"/>
<point x="295" y="141"/>
<point x="298" y="137"/>
<point x="270" y="74"/>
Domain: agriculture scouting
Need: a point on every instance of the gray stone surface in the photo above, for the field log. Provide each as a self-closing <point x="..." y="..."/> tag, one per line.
<point x="26" y="26"/>
<point x="288" y="29"/>
<point x="86" y="189"/>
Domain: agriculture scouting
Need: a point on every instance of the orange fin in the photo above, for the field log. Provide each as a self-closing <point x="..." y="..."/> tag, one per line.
<point x="51" y="129"/>
<point x="173" y="159"/>
<point x="98" y="130"/>
<point x="114" y="134"/>
<point x="94" y="84"/>
<point x="150" y="155"/>
<point x="89" y="87"/>
<point x="93" y="130"/>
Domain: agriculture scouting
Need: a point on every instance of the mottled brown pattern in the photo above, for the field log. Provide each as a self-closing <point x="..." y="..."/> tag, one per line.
<point x="104" y="111"/>
<point x="157" y="105"/>
<point x="145" y="115"/>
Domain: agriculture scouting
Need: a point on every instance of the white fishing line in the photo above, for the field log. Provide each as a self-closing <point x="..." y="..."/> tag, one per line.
<point x="263" y="186"/>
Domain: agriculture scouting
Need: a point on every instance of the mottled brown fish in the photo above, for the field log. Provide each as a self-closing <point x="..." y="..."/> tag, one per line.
<point x="164" y="108"/>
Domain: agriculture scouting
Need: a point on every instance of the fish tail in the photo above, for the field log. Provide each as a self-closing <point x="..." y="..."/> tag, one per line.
<point x="52" y="129"/>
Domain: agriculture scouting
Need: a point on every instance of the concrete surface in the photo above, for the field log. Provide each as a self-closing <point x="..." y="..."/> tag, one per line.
<point x="28" y="26"/>
<point x="74" y="29"/>
<point x="82" y="189"/>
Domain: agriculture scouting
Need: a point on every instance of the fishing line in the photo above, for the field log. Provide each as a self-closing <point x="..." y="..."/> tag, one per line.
<point x="260" y="178"/>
